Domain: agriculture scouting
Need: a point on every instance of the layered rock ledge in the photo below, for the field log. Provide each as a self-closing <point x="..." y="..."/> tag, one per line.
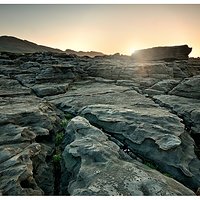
<point x="107" y="125"/>
<point x="163" y="53"/>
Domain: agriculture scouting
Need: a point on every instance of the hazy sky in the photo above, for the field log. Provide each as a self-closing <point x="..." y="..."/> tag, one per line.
<point x="105" y="28"/>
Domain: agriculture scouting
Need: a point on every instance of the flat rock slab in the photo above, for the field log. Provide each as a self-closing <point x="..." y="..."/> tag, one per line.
<point x="189" y="87"/>
<point x="89" y="93"/>
<point x="165" y="85"/>
<point x="98" y="167"/>
<point x="11" y="87"/>
<point x="186" y="108"/>
<point x="50" y="89"/>
<point x="128" y="69"/>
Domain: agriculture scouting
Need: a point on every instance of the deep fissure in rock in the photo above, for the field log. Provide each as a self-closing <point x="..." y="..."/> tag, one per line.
<point x="43" y="169"/>
<point x="27" y="184"/>
<point x="44" y="138"/>
<point x="57" y="177"/>
<point x="127" y="150"/>
<point x="43" y="173"/>
<point x="124" y="146"/>
<point x="57" y="158"/>
<point x="196" y="138"/>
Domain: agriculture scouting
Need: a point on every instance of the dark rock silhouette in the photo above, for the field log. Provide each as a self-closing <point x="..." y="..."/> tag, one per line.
<point x="84" y="53"/>
<point x="163" y="53"/>
<point x="15" y="45"/>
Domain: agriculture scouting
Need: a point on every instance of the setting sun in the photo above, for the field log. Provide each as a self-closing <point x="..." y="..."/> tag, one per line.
<point x="102" y="28"/>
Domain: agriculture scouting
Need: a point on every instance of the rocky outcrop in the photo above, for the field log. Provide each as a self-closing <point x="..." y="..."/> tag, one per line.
<point x="163" y="53"/>
<point x="129" y="70"/>
<point x="100" y="168"/>
<point x="128" y="112"/>
<point x="128" y="106"/>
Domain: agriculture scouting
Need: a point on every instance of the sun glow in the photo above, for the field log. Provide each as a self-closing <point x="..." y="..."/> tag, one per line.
<point x="90" y="27"/>
<point x="131" y="51"/>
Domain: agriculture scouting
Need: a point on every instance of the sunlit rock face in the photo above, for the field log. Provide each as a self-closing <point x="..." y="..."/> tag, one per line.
<point x="163" y="53"/>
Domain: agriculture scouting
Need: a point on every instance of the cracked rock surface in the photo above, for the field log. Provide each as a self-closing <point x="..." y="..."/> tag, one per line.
<point x="99" y="169"/>
<point x="154" y="134"/>
<point x="135" y="127"/>
<point x="23" y="120"/>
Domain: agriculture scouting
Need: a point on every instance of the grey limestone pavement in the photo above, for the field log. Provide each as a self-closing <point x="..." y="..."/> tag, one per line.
<point x="107" y="125"/>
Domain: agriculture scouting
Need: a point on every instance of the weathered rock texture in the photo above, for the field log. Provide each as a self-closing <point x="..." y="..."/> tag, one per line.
<point x="189" y="87"/>
<point x="24" y="121"/>
<point x="188" y="109"/>
<point x="138" y="114"/>
<point x="153" y="134"/>
<point x="163" y="53"/>
<point x="100" y="168"/>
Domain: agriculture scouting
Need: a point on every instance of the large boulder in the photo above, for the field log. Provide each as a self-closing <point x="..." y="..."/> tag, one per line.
<point x="99" y="167"/>
<point x="163" y="53"/>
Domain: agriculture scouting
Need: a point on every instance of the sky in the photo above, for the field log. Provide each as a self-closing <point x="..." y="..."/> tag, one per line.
<point x="105" y="28"/>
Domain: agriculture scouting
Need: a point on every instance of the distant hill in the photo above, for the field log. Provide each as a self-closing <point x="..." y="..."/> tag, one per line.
<point x="84" y="53"/>
<point x="16" y="45"/>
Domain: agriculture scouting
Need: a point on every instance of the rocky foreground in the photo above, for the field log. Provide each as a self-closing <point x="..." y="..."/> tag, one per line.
<point x="98" y="126"/>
